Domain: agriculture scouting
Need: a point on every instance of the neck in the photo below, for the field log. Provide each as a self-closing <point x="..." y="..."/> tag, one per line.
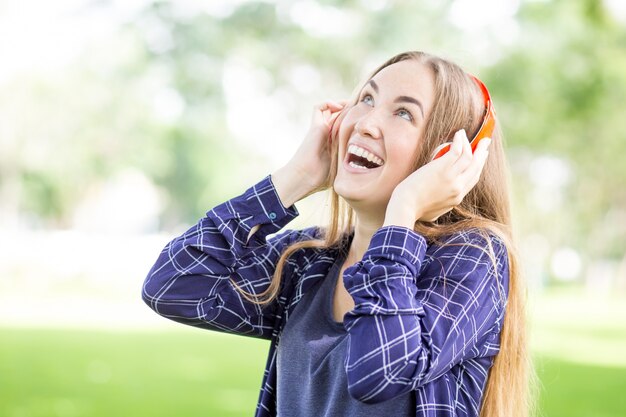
<point x="363" y="232"/>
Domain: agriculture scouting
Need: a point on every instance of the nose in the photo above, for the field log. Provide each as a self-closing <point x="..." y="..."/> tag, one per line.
<point x="368" y="125"/>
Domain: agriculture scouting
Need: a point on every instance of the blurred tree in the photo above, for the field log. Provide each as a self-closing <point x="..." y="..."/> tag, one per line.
<point x="153" y="97"/>
<point x="560" y="92"/>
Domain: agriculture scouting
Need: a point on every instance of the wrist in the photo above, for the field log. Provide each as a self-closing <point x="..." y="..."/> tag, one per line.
<point x="289" y="185"/>
<point x="400" y="215"/>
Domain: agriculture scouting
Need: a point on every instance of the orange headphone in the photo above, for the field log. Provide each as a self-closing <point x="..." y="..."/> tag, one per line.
<point x="486" y="128"/>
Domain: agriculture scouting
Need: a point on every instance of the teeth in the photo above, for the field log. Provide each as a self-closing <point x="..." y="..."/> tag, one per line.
<point x="352" y="164"/>
<point x="353" y="149"/>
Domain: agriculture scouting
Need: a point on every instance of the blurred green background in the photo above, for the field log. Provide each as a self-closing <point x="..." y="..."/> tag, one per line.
<point x="123" y="122"/>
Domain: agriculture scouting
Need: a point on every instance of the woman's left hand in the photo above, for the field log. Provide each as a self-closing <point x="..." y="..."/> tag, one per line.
<point x="438" y="186"/>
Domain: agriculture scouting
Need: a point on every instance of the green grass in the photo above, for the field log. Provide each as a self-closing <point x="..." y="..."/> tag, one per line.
<point x="96" y="373"/>
<point x="578" y="390"/>
<point x="579" y="346"/>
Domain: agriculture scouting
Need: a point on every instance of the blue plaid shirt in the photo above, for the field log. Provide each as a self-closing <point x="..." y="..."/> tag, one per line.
<point x="427" y="318"/>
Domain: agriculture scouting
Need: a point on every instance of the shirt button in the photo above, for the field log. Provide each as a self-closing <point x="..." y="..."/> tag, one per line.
<point x="272" y="215"/>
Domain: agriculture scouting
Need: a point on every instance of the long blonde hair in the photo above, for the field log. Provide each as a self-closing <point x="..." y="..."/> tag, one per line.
<point x="458" y="104"/>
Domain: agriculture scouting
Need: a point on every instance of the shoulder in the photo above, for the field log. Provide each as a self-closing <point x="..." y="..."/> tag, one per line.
<point x="472" y="242"/>
<point x="308" y="255"/>
<point x="471" y="255"/>
<point x="291" y="236"/>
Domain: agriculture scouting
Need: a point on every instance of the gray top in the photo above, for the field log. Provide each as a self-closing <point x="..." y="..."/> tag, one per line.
<point x="310" y="362"/>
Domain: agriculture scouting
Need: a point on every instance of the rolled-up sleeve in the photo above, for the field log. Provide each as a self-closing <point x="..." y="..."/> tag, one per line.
<point x="414" y="320"/>
<point x="190" y="281"/>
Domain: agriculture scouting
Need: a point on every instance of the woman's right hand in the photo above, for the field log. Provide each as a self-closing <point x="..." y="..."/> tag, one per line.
<point x="307" y="171"/>
<point x="311" y="162"/>
<point x="437" y="187"/>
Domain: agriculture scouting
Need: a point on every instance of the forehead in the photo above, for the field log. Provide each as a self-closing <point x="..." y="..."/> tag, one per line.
<point x="407" y="78"/>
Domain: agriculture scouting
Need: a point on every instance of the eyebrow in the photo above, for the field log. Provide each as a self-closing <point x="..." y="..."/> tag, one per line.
<point x="374" y="85"/>
<point x="407" y="99"/>
<point x="400" y="99"/>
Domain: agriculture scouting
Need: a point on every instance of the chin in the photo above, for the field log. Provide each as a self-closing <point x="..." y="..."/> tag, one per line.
<point x="353" y="195"/>
<point x="346" y="191"/>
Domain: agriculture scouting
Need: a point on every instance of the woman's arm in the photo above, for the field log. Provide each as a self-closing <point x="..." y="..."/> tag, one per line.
<point x="409" y="326"/>
<point x="190" y="281"/>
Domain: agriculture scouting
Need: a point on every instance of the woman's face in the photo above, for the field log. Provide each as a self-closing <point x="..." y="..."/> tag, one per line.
<point x="388" y="121"/>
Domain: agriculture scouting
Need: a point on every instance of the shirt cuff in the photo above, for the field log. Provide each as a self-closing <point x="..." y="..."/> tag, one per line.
<point x="398" y="244"/>
<point x="258" y="205"/>
<point x="383" y="282"/>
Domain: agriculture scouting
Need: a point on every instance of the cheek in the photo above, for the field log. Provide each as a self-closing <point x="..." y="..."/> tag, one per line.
<point x="401" y="161"/>
<point x="346" y="128"/>
<point x="350" y="118"/>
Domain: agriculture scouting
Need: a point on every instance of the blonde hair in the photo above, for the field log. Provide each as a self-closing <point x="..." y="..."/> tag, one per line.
<point x="458" y="104"/>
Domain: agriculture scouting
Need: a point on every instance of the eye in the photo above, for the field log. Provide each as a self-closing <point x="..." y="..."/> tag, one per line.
<point x="368" y="99"/>
<point x="405" y="114"/>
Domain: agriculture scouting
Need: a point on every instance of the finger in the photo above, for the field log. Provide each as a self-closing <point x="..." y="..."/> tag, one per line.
<point x="330" y="105"/>
<point x="329" y="111"/>
<point x="465" y="158"/>
<point x="484" y="144"/>
<point x="449" y="158"/>
<point x="321" y="114"/>
<point x="457" y="142"/>
<point x="337" y="122"/>
<point x="478" y="172"/>
<point x="471" y="175"/>
<point x="331" y="121"/>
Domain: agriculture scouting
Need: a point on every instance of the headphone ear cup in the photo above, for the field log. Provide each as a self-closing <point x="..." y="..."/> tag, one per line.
<point x="441" y="150"/>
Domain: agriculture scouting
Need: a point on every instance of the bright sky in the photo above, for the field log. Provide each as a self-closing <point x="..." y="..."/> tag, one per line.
<point x="42" y="36"/>
<point x="36" y="35"/>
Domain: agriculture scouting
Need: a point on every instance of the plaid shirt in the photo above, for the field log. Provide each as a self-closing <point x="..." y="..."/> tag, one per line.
<point x="427" y="318"/>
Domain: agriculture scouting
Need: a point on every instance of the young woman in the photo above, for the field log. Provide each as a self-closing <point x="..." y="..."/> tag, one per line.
<point x="409" y="303"/>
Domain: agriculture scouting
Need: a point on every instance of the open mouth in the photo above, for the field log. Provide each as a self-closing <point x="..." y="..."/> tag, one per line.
<point x="360" y="162"/>
<point x="361" y="159"/>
